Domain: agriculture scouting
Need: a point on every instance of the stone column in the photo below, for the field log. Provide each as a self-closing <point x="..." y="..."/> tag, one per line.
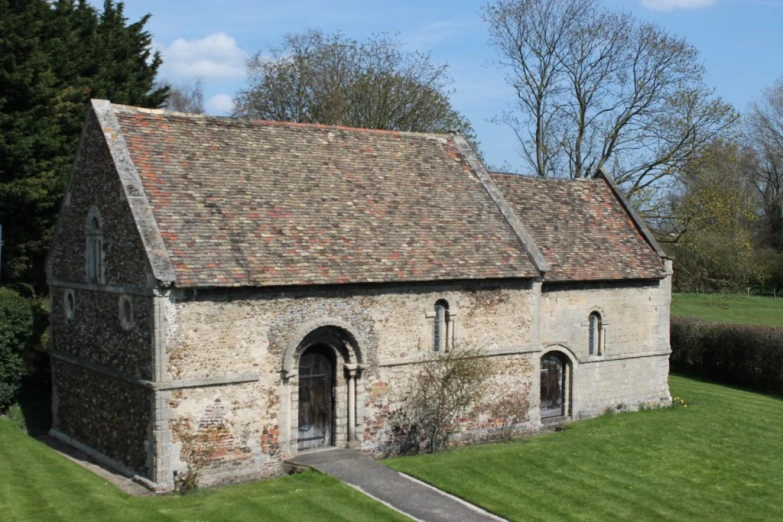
<point x="351" y="370"/>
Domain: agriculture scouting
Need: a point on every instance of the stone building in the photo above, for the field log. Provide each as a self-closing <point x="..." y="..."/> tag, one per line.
<point x="265" y="286"/>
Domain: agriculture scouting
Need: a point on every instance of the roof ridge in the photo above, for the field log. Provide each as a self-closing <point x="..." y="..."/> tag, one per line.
<point x="244" y="120"/>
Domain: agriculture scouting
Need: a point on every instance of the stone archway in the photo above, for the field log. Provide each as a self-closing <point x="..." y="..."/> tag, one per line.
<point x="555" y="384"/>
<point x="323" y="346"/>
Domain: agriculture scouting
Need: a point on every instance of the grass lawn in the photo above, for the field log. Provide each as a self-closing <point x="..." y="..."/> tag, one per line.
<point x="719" y="459"/>
<point x="36" y="483"/>
<point x="729" y="308"/>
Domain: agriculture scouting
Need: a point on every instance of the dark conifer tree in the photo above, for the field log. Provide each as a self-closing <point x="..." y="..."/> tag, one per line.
<point x="54" y="57"/>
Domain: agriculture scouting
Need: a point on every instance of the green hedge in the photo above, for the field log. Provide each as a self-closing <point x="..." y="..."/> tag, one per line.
<point x="16" y="332"/>
<point x="744" y="355"/>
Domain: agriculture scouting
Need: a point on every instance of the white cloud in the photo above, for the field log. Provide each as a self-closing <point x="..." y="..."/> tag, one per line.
<point x="215" y="56"/>
<point x="220" y="105"/>
<point x="668" y="5"/>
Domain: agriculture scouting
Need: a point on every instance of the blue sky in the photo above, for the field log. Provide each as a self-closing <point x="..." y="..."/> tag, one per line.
<point x="741" y="45"/>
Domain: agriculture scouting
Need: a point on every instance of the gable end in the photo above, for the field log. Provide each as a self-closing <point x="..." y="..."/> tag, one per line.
<point x="159" y="260"/>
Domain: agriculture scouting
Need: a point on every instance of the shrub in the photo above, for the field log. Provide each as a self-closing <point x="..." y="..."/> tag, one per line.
<point x="437" y="397"/>
<point x="744" y="355"/>
<point x="16" y="330"/>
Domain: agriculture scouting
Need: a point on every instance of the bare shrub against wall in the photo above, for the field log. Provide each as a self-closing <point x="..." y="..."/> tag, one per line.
<point x="198" y="448"/>
<point x="444" y="389"/>
<point x="509" y="409"/>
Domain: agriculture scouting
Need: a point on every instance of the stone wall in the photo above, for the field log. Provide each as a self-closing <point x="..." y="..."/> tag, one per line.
<point x="102" y="359"/>
<point x="634" y="366"/>
<point x="509" y="390"/>
<point x="214" y="333"/>
<point x="232" y="428"/>
<point x="620" y="384"/>
<point x="95" y="182"/>
<point x="228" y="335"/>
<point x="96" y="333"/>
<point x="110" y="416"/>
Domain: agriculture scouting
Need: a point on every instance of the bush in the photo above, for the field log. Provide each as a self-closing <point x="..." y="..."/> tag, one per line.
<point x="744" y="355"/>
<point x="436" y="398"/>
<point x="16" y="331"/>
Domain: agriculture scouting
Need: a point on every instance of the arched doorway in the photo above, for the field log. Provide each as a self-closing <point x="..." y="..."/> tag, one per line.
<point x="554" y="386"/>
<point x="321" y="371"/>
<point x="316" y="398"/>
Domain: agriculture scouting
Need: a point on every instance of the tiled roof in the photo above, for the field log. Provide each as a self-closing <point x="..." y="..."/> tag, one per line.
<point x="252" y="203"/>
<point x="582" y="228"/>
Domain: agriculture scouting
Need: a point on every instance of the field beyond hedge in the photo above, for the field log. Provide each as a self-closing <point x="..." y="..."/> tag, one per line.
<point x="729" y="308"/>
<point x="721" y="458"/>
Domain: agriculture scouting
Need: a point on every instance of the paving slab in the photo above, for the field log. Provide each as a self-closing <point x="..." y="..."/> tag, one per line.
<point x="405" y="494"/>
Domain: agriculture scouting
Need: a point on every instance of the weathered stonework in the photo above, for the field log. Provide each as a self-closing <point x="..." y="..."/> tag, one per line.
<point x="94" y="184"/>
<point x="108" y="415"/>
<point x="222" y="333"/>
<point x="102" y="367"/>
<point x="96" y="333"/>
<point x="154" y="372"/>
<point x="634" y="367"/>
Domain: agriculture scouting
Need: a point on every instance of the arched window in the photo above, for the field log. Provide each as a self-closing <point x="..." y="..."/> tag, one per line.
<point x="126" y="312"/>
<point x="595" y="336"/>
<point x="441" y="332"/>
<point x="69" y="302"/>
<point x="94" y="247"/>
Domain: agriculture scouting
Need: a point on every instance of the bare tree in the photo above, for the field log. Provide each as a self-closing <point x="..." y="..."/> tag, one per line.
<point x="764" y="127"/>
<point x="186" y="97"/>
<point x="330" y="79"/>
<point x="598" y="89"/>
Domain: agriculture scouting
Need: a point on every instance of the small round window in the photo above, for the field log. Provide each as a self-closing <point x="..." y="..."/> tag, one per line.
<point x="126" y="312"/>
<point x="69" y="303"/>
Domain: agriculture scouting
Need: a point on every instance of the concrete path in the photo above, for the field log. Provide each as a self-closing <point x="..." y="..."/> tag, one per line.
<point x="405" y="494"/>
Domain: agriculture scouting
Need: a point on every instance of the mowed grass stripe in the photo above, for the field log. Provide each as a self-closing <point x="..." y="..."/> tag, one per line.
<point x="37" y="483"/>
<point x="720" y="458"/>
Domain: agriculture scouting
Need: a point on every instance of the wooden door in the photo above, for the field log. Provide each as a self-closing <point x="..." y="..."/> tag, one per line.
<point x="552" y="386"/>
<point x="316" y="389"/>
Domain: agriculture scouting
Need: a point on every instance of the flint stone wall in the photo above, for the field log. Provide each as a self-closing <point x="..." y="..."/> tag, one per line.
<point x="95" y="182"/>
<point x="96" y="333"/>
<point x="111" y="416"/>
<point x="220" y="334"/>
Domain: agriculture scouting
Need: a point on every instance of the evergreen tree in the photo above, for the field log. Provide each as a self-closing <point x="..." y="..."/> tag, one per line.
<point x="54" y="57"/>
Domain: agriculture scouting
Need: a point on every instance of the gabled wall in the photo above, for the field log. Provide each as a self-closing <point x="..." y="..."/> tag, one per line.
<point x="100" y="363"/>
<point x="95" y="182"/>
